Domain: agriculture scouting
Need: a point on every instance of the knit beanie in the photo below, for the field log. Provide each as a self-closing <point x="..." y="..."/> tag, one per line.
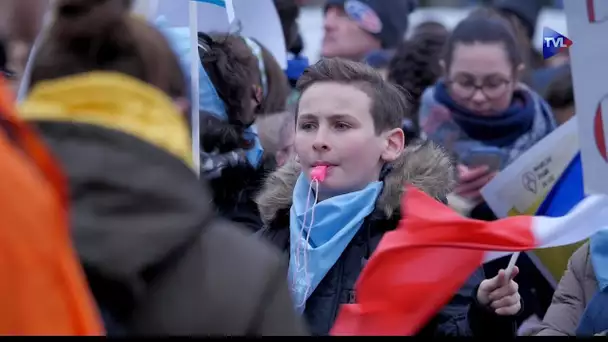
<point x="387" y="20"/>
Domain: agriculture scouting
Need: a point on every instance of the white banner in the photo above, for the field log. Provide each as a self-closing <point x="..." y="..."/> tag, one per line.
<point x="256" y="19"/>
<point x="587" y="27"/>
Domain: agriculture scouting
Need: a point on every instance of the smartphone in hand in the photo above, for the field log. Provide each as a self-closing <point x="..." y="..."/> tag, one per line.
<point x="492" y="157"/>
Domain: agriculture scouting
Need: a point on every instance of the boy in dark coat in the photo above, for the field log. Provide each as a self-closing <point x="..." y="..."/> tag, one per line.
<point x="349" y="124"/>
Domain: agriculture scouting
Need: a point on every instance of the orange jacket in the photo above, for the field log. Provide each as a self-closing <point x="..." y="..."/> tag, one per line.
<point x="43" y="290"/>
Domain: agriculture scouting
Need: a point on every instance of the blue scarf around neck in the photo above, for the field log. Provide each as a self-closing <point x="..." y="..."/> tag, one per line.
<point x="336" y="222"/>
<point x="595" y="317"/>
<point x="500" y="130"/>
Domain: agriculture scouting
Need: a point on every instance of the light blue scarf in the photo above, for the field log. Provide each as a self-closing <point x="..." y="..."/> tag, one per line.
<point x="594" y="319"/>
<point x="209" y="99"/>
<point x="336" y="221"/>
<point x="598" y="247"/>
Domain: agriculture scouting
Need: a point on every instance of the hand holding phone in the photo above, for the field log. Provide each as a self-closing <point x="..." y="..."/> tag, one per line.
<point x="471" y="180"/>
<point x="477" y="169"/>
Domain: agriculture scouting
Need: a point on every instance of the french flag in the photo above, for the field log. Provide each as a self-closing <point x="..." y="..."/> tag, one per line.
<point x="418" y="267"/>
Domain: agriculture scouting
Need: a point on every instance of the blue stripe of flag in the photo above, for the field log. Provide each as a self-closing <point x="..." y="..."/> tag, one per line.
<point x="221" y="3"/>
<point x="567" y="192"/>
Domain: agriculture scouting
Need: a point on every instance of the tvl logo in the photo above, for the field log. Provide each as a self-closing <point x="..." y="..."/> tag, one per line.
<point x="554" y="43"/>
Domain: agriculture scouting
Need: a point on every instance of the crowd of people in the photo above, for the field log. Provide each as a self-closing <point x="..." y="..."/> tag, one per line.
<point x="109" y="228"/>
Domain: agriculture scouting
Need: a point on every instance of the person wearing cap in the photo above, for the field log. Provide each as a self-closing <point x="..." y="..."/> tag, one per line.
<point x="365" y="30"/>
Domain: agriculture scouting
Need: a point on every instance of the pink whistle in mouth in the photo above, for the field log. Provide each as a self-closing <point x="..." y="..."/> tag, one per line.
<point x="318" y="173"/>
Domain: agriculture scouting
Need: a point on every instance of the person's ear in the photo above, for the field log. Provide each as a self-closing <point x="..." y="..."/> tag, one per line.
<point x="444" y="70"/>
<point x="257" y="94"/>
<point x="394" y="143"/>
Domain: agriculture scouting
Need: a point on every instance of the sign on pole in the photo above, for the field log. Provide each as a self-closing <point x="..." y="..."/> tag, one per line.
<point x="256" y="19"/>
<point x="587" y="26"/>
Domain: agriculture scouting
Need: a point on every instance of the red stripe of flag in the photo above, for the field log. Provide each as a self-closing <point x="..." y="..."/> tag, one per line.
<point x="418" y="267"/>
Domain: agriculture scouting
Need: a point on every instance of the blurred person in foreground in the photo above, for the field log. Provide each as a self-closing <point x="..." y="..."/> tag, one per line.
<point x="349" y="121"/>
<point x="365" y="30"/>
<point x="157" y="259"/>
<point x="43" y="290"/>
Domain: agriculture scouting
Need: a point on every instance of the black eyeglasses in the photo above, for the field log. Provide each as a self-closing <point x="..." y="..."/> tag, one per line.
<point x="466" y="89"/>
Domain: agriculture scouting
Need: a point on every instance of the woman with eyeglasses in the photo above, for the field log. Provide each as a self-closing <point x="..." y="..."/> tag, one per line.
<point x="479" y="111"/>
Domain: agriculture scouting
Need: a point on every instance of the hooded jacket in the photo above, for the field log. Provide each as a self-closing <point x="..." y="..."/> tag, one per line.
<point x="157" y="259"/>
<point x="422" y="165"/>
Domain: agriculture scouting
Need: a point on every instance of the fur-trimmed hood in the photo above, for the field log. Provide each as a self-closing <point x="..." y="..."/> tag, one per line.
<point x="424" y="165"/>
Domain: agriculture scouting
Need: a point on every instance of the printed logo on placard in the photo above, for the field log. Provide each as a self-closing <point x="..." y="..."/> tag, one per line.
<point x="530" y="182"/>
<point x="364" y="16"/>
<point x="554" y="43"/>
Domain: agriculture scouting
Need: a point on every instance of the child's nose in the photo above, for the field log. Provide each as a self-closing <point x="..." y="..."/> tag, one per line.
<point x="320" y="145"/>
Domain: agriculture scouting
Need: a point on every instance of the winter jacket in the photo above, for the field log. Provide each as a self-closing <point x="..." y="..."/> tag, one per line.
<point x="157" y="258"/>
<point x="424" y="166"/>
<point x="573" y="294"/>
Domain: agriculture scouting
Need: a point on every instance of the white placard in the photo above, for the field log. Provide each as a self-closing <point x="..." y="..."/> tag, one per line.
<point x="523" y="185"/>
<point x="587" y="27"/>
<point x="256" y="19"/>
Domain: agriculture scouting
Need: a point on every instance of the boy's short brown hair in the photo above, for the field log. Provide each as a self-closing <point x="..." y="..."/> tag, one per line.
<point x="389" y="104"/>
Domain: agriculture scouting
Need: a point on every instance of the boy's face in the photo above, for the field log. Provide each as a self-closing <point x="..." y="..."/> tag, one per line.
<point x="335" y="128"/>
